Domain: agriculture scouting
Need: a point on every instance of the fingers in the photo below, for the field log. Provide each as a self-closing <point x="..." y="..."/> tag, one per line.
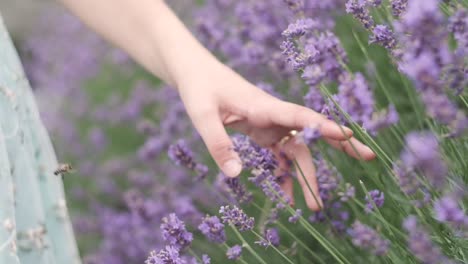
<point x="219" y="143"/>
<point x="305" y="173"/>
<point x="264" y="137"/>
<point x="363" y="151"/>
<point x="299" y="117"/>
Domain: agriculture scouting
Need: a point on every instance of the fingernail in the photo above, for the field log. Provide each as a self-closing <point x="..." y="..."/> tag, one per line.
<point x="369" y="150"/>
<point x="232" y="168"/>
<point x="348" y="131"/>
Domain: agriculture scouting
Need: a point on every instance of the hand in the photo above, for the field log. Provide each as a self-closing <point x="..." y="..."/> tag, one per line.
<point x="216" y="97"/>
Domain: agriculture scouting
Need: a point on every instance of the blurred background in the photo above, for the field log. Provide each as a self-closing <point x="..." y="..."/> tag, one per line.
<point x="117" y="125"/>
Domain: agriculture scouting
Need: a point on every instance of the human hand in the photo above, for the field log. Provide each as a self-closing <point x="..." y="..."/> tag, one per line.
<point x="216" y="97"/>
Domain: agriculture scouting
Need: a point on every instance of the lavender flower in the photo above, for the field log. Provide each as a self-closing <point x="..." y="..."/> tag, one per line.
<point x="356" y="99"/>
<point x="457" y="73"/>
<point x="420" y="244"/>
<point x="237" y="189"/>
<point x="295" y="5"/>
<point x="367" y="238"/>
<point x="384" y="36"/>
<point x="308" y="135"/>
<point x="168" y="255"/>
<point x="448" y="210"/>
<point x="234" y="252"/>
<point x="213" y="229"/>
<point x="421" y="154"/>
<point x="426" y="54"/>
<point x="374" y="197"/>
<point x="262" y="163"/>
<point x="174" y="232"/>
<point x="181" y="155"/>
<point x="206" y="259"/>
<point x="294" y="218"/>
<point x="349" y="193"/>
<point x="271" y="238"/>
<point x="398" y="7"/>
<point x="358" y="9"/>
<point x="314" y="100"/>
<point x="233" y="215"/>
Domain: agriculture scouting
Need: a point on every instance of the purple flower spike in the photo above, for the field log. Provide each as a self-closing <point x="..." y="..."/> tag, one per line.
<point x="213" y="229"/>
<point x="181" y="155"/>
<point x="374" y="197"/>
<point x="367" y="238"/>
<point x="447" y="209"/>
<point x="294" y="218"/>
<point x="350" y="192"/>
<point x="206" y="259"/>
<point x="174" y="232"/>
<point x="358" y="9"/>
<point x="384" y="36"/>
<point x="168" y="255"/>
<point x="234" y="252"/>
<point x="398" y="7"/>
<point x="271" y="238"/>
<point x="235" y="216"/>
<point x="308" y="135"/>
<point x="420" y="244"/>
<point x="422" y="155"/>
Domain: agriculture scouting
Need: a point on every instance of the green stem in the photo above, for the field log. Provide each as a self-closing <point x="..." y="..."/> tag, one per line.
<point x="240" y="258"/>
<point x="195" y="255"/>
<point x="275" y="248"/>
<point x="246" y="245"/>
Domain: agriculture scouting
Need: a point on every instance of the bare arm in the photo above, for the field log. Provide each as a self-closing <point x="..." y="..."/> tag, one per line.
<point x="149" y="31"/>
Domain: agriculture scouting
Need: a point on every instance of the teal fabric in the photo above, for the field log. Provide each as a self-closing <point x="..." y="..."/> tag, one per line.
<point x="34" y="222"/>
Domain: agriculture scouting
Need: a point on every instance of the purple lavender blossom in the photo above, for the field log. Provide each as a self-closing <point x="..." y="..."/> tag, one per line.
<point x="422" y="154"/>
<point x="213" y="229"/>
<point x="447" y="209"/>
<point x="308" y="135"/>
<point x="426" y="53"/>
<point x="374" y="2"/>
<point x="350" y="192"/>
<point x="327" y="178"/>
<point x="374" y="197"/>
<point x="235" y="216"/>
<point x="206" y="259"/>
<point x="295" y="5"/>
<point x="314" y="100"/>
<point x="294" y="218"/>
<point x="458" y="71"/>
<point x="367" y="238"/>
<point x="237" y="189"/>
<point x="384" y="36"/>
<point x="356" y="99"/>
<point x="398" y="7"/>
<point x="168" y="255"/>
<point x="359" y="10"/>
<point x="271" y="238"/>
<point x="382" y="119"/>
<point x="234" y="252"/>
<point x="420" y="244"/>
<point x="174" y="232"/>
<point x="181" y="155"/>
<point x="262" y="163"/>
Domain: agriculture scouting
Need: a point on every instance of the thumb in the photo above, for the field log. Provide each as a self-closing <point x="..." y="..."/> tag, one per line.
<point x="219" y="145"/>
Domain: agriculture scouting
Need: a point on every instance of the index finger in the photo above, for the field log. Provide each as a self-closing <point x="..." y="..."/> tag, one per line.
<point x="300" y="117"/>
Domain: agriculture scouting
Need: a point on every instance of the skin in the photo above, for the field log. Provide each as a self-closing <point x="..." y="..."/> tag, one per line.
<point x="214" y="95"/>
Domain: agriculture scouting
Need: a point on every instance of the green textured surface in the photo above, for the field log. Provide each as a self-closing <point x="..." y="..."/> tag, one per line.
<point x="31" y="197"/>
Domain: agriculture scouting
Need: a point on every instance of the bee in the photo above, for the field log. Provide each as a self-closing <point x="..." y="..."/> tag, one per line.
<point x="63" y="169"/>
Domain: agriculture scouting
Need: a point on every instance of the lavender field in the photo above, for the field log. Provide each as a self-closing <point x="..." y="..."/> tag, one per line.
<point x="145" y="189"/>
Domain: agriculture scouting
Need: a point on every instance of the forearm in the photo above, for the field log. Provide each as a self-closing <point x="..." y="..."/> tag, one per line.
<point x="150" y="32"/>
